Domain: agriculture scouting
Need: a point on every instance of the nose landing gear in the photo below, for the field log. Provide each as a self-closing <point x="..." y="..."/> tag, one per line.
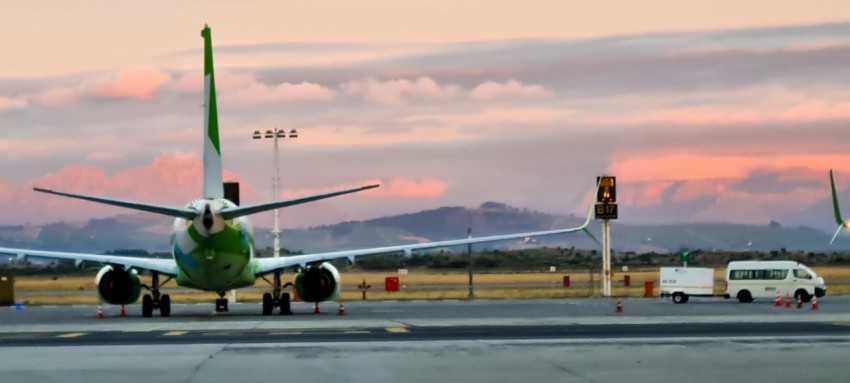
<point x="221" y="302"/>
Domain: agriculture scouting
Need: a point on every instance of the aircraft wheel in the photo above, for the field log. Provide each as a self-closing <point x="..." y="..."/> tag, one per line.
<point x="285" y="304"/>
<point x="147" y="306"/>
<point x="165" y="305"/>
<point x="268" y="304"/>
<point x="221" y="305"/>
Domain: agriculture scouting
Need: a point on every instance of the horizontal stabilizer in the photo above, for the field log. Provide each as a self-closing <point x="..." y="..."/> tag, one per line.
<point x="165" y="210"/>
<point x="252" y="209"/>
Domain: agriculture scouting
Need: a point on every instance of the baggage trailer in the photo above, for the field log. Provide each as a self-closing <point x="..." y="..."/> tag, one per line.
<point x="680" y="283"/>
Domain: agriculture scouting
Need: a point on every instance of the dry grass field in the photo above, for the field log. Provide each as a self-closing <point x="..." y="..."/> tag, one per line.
<point x="418" y="284"/>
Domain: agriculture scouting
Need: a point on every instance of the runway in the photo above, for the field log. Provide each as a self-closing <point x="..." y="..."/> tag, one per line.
<point x="582" y="340"/>
<point x="419" y="334"/>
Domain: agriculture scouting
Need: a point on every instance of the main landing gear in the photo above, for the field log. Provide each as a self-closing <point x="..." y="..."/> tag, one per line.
<point x="276" y="299"/>
<point x="155" y="301"/>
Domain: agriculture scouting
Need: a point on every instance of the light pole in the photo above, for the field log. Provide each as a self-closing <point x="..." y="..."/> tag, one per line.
<point x="275" y="135"/>
<point x="471" y="294"/>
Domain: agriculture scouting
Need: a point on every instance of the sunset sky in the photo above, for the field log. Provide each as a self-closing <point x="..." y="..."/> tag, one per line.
<point x="706" y="111"/>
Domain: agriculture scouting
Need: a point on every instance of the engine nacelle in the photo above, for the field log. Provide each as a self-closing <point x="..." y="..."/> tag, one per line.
<point x="117" y="286"/>
<point x="318" y="283"/>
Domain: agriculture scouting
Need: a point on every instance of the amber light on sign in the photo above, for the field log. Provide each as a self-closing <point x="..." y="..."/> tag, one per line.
<point x="607" y="192"/>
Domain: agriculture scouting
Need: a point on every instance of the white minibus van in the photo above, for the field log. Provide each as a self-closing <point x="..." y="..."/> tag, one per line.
<point x="748" y="280"/>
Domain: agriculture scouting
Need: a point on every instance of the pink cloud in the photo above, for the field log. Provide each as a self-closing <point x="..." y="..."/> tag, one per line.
<point x="696" y="189"/>
<point x="699" y="115"/>
<point x="678" y="164"/>
<point x="241" y="88"/>
<point x="782" y="109"/>
<point x="171" y="180"/>
<point x="132" y="83"/>
<point x="193" y="81"/>
<point x="190" y="82"/>
<point x="716" y="175"/>
<point x="7" y="103"/>
<point x="511" y="90"/>
<point x="401" y="91"/>
<point x="817" y="110"/>
<point x="396" y="188"/>
<point x="8" y="191"/>
<point x="21" y="148"/>
<point x="62" y="96"/>
<point x="643" y="193"/>
<point x="404" y="188"/>
<point x="258" y="93"/>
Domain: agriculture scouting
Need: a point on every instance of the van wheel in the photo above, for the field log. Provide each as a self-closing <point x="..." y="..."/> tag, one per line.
<point x="744" y="296"/>
<point x="803" y="295"/>
<point x="679" y="298"/>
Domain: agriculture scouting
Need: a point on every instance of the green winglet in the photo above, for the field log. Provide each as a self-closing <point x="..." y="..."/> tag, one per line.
<point x="840" y="221"/>
<point x="838" y="218"/>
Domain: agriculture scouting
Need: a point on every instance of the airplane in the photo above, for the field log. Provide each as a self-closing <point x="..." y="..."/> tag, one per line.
<point x="842" y="224"/>
<point x="212" y="241"/>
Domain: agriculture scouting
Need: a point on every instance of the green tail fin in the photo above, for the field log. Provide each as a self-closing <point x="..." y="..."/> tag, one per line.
<point x="213" y="187"/>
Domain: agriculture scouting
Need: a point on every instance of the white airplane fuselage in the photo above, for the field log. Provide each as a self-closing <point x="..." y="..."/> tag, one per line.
<point x="212" y="253"/>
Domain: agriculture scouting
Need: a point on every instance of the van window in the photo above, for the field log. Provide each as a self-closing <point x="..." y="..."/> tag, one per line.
<point x="803" y="274"/>
<point x="772" y="274"/>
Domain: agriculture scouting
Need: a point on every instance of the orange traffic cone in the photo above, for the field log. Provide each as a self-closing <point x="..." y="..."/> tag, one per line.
<point x="99" y="312"/>
<point x="341" y="311"/>
<point x="777" y="302"/>
<point x="316" y="309"/>
<point x="799" y="302"/>
<point x="619" y="306"/>
<point x="814" y="303"/>
<point x="123" y="312"/>
<point x="787" y="301"/>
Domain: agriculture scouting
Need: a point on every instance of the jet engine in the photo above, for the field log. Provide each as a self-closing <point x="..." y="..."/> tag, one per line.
<point x="318" y="283"/>
<point x="117" y="286"/>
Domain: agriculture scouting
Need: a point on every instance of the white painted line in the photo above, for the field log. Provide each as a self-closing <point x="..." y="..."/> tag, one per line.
<point x="72" y="335"/>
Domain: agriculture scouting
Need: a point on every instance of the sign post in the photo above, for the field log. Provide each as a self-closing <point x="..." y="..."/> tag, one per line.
<point x="606" y="210"/>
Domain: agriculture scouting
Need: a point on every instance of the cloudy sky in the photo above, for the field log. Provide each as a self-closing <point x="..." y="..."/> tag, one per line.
<point x="706" y="111"/>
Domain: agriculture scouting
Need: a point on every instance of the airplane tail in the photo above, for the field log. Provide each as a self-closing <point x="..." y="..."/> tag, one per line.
<point x="213" y="186"/>
<point x="838" y="220"/>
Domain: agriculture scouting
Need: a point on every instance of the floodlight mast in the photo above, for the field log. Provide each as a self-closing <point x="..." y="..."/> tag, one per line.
<point x="275" y="135"/>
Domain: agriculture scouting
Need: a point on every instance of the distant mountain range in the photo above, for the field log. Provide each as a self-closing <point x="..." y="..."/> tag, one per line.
<point x="151" y="233"/>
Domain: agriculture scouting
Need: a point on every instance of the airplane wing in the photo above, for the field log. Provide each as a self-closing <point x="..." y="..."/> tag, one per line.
<point x="267" y="265"/>
<point x="251" y="209"/>
<point x="164" y="266"/>
<point x="150" y="208"/>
